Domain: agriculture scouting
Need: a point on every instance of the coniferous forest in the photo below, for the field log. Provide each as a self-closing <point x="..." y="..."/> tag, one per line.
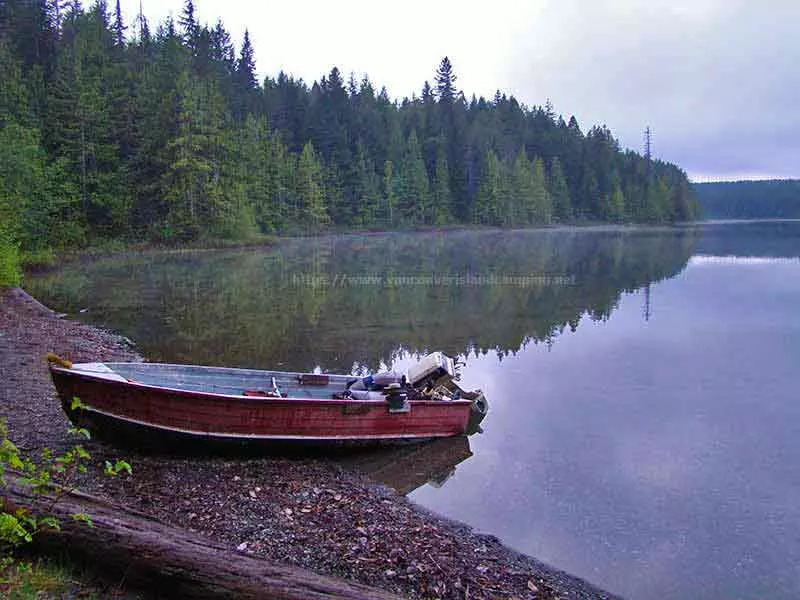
<point x="765" y="199"/>
<point x="115" y="128"/>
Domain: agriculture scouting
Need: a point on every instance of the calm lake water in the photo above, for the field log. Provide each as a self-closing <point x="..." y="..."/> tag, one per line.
<point x="644" y="430"/>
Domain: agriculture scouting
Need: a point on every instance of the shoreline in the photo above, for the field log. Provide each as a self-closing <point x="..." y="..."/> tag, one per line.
<point x="314" y="513"/>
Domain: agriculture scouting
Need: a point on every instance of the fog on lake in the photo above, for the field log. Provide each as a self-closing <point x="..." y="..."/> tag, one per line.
<point x="643" y="382"/>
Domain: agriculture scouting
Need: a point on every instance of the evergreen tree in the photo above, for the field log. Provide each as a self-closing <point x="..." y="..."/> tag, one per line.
<point x="445" y="82"/>
<point x="411" y="184"/>
<point x="387" y="213"/>
<point x="616" y="205"/>
<point x="279" y="169"/>
<point x="190" y="26"/>
<point x="441" y="199"/>
<point x="542" y="203"/>
<point x="246" y="182"/>
<point x="486" y="211"/>
<point x="119" y="27"/>
<point x="367" y="190"/>
<point x="192" y="189"/>
<point x="524" y="191"/>
<point x="559" y="192"/>
<point x="245" y="79"/>
<point x="309" y="190"/>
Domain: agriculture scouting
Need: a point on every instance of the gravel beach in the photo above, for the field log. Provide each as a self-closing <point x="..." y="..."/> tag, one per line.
<point x="319" y="513"/>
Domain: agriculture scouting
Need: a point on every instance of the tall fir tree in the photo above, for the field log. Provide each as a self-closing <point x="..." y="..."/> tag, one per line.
<point x="119" y="26"/>
<point x="312" y="212"/>
<point x="524" y="189"/>
<point x="487" y="204"/>
<point x="441" y="198"/>
<point x="542" y="202"/>
<point x="411" y="184"/>
<point x="190" y="27"/>
<point x="245" y="84"/>
<point x="559" y="192"/>
<point x="445" y="82"/>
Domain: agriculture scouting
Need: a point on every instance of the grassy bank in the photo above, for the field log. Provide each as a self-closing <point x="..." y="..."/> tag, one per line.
<point x="31" y="578"/>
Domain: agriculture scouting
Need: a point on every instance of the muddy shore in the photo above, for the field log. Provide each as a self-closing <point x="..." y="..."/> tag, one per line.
<point x="313" y="512"/>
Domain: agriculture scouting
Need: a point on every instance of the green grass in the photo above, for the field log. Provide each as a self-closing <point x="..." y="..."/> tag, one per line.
<point x="51" y="579"/>
<point x="10" y="267"/>
<point x="32" y="581"/>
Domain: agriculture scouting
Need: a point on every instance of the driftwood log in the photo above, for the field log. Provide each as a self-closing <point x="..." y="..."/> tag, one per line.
<point x="169" y="561"/>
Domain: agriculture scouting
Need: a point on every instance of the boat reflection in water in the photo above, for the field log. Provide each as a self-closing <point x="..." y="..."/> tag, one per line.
<point x="406" y="468"/>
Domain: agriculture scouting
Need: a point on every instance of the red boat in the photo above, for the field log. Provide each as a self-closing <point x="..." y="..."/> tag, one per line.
<point x="180" y="402"/>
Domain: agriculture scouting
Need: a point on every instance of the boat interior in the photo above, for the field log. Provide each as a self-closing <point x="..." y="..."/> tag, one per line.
<point x="247" y="382"/>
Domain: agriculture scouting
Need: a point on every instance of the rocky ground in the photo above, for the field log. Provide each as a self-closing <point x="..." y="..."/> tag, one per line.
<point x="307" y="511"/>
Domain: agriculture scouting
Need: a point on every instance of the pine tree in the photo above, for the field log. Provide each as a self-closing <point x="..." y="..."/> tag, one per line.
<point x="427" y="94"/>
<point x="80" y="123"/>
<point x="523" y="189"/>
<point x="309" y="190"/>
<point x="192" y="186"/>
<point x="411" y="184"/>
<point x="279" y="169"/>
<point x="246" y="66"/>
<point x="119" y="27"/>
<point x="441" y="199"/>
<point x="559" y="192"/>
<point x="489" y="194"/>
<point x="508" y="210"/>
<point x="542" y="203"/>
<point x="445" y="82"/>
<point x="387" y="213"/>
<point x="247" y="181"/>
<point x="367" y="192"/>
<point x="190" y="27"/>
<point x="616" y="205"/>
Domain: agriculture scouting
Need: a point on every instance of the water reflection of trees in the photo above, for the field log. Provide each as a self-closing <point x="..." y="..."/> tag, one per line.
<point x="751" y="238"/>
<point x="311" y="302"/>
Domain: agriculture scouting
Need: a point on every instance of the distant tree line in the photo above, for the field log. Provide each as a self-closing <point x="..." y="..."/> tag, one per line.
<point x="110" y="129"/>
<point x="776" y="198"/>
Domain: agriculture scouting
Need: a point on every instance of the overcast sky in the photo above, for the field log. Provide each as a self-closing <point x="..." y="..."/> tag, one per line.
<point x="716" y="80"/>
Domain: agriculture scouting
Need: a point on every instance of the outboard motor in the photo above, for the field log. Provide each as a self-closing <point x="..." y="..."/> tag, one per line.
<point x="430" y="371"/>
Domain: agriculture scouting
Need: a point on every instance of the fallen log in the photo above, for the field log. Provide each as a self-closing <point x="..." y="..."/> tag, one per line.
<point x="169" y="561"/>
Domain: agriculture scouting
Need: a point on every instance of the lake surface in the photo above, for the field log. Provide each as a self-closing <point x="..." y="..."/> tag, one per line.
<point x="644" y="430"/>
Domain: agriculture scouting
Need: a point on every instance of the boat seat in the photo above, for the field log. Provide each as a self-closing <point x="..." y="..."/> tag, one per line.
<point x="313" y="379"/>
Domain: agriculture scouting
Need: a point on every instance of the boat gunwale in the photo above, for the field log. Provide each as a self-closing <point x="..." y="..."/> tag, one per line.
<point x="216" y="368"/>
<point x="293" y="400"/>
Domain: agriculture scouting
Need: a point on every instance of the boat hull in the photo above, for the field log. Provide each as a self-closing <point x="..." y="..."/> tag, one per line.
<point x="111" y="407"/>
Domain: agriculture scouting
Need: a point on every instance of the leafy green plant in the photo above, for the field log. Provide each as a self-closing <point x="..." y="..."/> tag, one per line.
<point x="52" y="476"/>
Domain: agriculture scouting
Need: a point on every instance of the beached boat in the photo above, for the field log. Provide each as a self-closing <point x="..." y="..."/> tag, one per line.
<point x="188" y="402"/>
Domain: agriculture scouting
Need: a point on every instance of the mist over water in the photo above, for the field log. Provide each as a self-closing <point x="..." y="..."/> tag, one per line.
<point x="643" y="383"/>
